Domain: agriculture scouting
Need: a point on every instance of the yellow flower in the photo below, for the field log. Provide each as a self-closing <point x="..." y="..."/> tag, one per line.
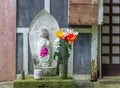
<point x="60" y="34"/>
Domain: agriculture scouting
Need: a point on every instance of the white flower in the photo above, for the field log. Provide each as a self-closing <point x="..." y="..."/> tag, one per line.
<point x="56" y="43"/>
<point x="70" y="31"/>
<point x="76" y="33"/>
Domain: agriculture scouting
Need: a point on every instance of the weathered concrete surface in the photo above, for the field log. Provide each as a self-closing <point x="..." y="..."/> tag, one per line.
<point x="105" y="82"/>
<point x="106" y="86"/>
<point x="84" y="84"/>
<point x="6" y="85"/>
<point x="7" y="40"/>
<point x="88" y="84"/>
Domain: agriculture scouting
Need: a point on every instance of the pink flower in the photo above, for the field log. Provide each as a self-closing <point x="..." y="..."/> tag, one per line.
<point x="44" y="52"/>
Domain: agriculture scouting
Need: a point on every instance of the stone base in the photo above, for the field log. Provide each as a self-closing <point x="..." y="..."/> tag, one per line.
<point x="6" y="85"/>
<point x="48" y="82"/>
<point x="49" y="71"/>
<point x="88" y="84"/>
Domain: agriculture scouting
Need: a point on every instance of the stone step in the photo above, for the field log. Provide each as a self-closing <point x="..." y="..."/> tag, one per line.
<point x="96" y="85"/>
<point x="109" y="82"/>
<point x="99" y="85"/>
<point x="6" y="85"/>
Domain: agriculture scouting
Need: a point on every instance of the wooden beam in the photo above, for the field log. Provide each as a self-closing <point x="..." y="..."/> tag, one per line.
<point x="25" y="32"/>
<point x="94" y="51"/>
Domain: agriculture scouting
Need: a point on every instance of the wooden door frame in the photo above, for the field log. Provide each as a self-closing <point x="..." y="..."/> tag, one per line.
<point x="94" y="49"/>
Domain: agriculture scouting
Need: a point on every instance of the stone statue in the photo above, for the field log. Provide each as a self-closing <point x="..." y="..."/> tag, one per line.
<point x="44" y="25"/>
<point x="42" y="49"/>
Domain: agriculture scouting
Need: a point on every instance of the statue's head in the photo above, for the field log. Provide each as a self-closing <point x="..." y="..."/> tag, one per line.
<point x="44" y="33"/>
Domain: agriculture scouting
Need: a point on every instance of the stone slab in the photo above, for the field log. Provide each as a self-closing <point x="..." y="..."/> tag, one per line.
<point x="88" y="84"/>
<point x="6" y="84"/>
<point x="7" y="40"/>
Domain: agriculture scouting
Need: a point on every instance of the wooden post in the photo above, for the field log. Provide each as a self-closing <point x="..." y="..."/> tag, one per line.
<point x="7" y="40"/>
<point x="94" y="51"/>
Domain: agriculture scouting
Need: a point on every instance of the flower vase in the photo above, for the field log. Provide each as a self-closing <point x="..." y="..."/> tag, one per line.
<point x="63" y="71"/>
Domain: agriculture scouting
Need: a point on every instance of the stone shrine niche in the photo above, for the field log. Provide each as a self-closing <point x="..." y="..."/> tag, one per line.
<point x="83" y="12"/>
<point x="41" y="38"/>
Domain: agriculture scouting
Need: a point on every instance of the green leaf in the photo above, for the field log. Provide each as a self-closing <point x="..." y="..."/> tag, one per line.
<point x="68" y="45"/>
<point x="56" y="54"/>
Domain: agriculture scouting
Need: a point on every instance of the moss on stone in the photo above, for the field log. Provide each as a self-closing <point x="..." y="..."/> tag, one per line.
<point x="45" y="82"/>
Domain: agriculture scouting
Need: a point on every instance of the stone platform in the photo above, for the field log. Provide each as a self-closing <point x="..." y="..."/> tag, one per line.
<point x="6" y="84"/>
<point x="105" y="82"/>
<point x="55" y="82"/>
<point x="45" y="82"/>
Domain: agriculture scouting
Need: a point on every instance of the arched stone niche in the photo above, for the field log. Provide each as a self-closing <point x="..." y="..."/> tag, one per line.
<point x="43" y="20"/>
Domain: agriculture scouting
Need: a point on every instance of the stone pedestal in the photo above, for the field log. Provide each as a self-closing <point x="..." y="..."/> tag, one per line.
<point x="45" y="82"/>
<point x="49" y="71"/>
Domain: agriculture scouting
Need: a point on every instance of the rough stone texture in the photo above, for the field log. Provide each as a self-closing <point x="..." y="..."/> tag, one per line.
<point x="84" y="1"/>
<point x="83" y="14"/>
<point x="84" y="84"/>
<point x="88" y="84"/>
<point x="7" y="40"/>
<point x="43" y="19"/>
<point x="98" y="85"/>
<point x="49" y="71"/>
<point x="45" y="82"/>
<point x="79" y="84"/>
<point x="6" y="85"/>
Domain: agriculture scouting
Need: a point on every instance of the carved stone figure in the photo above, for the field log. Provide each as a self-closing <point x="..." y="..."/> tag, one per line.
<point x="42" y="53"/>
<point x="43" y="48"/>
<point x="41" y="38"/>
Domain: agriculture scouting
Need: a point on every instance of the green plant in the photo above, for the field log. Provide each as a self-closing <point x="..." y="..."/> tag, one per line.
<point x="63" y="44"/>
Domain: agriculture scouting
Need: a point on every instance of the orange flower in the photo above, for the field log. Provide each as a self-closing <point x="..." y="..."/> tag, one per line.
<point x="60" y="34"/>
<point x="71" y="37"/>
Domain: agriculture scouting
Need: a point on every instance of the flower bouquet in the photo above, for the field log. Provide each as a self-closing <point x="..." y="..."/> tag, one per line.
<point x="63" y="46"/>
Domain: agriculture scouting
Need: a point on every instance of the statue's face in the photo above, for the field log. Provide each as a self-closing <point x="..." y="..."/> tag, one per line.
<point x="45" y="33"/>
